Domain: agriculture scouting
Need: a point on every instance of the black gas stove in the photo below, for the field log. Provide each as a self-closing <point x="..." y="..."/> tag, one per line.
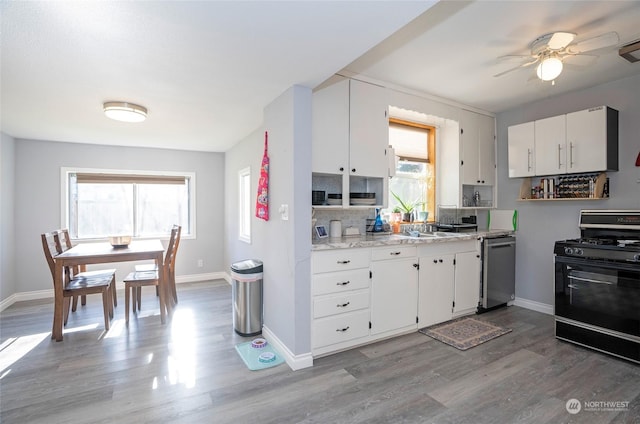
<point x="597" y="283"/>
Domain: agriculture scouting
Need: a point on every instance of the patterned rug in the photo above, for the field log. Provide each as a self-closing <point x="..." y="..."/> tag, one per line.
<point x="464" y="333"/>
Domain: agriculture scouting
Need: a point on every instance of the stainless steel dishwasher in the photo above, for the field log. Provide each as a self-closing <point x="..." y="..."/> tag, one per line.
<point x="498" y="272"/>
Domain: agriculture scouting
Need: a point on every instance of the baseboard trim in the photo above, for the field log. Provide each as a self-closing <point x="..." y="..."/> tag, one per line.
<point x="48" y="294"/>
<point x="295" y="362"/>
<point x="534" y="306"/>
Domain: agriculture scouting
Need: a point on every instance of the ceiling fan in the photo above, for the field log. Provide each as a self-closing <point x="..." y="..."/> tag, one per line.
<point x="551" y="50"/>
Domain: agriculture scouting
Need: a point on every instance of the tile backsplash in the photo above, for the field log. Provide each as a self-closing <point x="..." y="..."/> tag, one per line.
<point x="349" y="217"/>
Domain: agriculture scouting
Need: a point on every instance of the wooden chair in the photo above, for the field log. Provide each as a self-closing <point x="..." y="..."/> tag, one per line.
<point x="154" y="267"/>
<point x="78" y="286"/>
<point x="134" y="282"/>
<point x="80" y="271"/>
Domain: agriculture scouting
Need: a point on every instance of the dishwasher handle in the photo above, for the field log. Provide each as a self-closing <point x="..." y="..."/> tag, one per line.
<point x="501" y="244"/>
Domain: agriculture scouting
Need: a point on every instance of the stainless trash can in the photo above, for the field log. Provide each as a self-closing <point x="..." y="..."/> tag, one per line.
<point x="246" y="284"/>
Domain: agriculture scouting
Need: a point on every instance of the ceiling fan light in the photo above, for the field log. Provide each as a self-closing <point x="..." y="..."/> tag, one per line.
<point x="549" y="68"/>
<point x="125" y="112"/>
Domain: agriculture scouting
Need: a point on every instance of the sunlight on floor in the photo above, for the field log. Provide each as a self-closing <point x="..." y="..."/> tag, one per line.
<point x="16" y="347"/>
<point x="181" y="362"/>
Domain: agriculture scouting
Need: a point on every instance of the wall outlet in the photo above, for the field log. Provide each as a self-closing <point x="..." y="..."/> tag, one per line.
<point x="200" y="263"/>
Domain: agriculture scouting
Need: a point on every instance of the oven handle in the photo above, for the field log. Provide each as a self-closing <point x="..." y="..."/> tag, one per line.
<point x="559" y="259"/>
<point x="588" y="280"/>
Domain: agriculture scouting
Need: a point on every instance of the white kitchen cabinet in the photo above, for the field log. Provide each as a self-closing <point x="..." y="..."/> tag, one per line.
<point x="435" y="293"/>
<point x="579" y="142"/>
<point x="478" y="149"/>
<point x="340" y="290"/>
<point x="521" y="146"/>
<point x="550" y="150"/>
<point x="369" y="130"/>
<point x="592" y="140"/>
<point x="449" y="282"/>
<point x="394" y="289"/>
<point x="350" y="138"/>
<point x="466" y="282"/>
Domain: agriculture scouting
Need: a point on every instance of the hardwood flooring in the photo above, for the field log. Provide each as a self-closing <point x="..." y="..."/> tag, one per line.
<point x="188" y="372"/>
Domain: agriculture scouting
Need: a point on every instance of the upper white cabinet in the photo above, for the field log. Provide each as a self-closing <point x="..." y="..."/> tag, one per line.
<point x="592" y="140"/>
<point x="478" y="149"/>
<point x="521" y="150"/>
<point x="350" y="138"/>
<point x="369" y="130"/>
<point x="578" y="142"/>
<point x="550" y="151"/>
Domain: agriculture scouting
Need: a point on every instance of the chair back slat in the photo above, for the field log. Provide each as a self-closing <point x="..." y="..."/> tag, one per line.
<point x="50" y="250"/>
<point x="172" y="248"/>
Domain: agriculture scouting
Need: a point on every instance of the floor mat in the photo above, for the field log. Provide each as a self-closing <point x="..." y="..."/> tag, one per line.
<point x="464" y="333"/>
<point x="261" y="357"/>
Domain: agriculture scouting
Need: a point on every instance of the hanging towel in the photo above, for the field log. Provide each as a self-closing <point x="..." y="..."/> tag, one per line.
<point x="262" y="201"/>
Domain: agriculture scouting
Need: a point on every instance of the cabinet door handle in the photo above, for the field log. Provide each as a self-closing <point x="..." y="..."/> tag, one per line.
<point x="342" y="305"/>
<point x="570" y="155"/>
<point x="342" y="283"/>
<point x="435" y="261"/>
<point x="342" y="330"/>
<point x="344" y="262"/>
<point x="559" y="161"/>
<point x="528" y="159"/>
<point x="394" y="253"/>
<point x="440" y="260"/>
<point x="341" y="169"/>
<point x="353" y="170"/>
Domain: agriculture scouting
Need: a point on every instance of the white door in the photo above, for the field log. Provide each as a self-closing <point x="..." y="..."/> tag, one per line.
<point x="587" y="140"/>
<point x="369" y="130"/>
<point x="550" y="141"/>
<point x="521" y="150"/>
<point x="469" y="137"/>
<point x="394" y="289"/>
<point x="435" y="289"/>
<point x="467" y="281"/>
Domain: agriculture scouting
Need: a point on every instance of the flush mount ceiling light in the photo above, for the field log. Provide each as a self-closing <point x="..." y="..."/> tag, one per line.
<point x="550" y="67"/>
<point x="125" y="112"/>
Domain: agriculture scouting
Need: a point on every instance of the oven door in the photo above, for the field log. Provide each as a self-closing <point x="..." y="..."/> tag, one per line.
<point x="601" y="293"/>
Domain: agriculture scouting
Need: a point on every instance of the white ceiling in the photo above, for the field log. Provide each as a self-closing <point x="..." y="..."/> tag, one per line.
<point x="205" y="70"/>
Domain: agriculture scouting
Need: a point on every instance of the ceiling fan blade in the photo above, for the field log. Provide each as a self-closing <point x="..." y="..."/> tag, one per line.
<point x="607" y="39"/>
<point x="560" y="40"/>
<point x="514" y="57"/>
<point x="523" y="65"/>
<point x="579" y="59"/>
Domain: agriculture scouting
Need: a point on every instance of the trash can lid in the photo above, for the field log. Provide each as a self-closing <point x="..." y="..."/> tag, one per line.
<point x="248" y="266"/>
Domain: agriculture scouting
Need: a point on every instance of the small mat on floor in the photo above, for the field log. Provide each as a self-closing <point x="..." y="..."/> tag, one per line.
<point x="259" y="358"/>
<point x="464" y="333"/>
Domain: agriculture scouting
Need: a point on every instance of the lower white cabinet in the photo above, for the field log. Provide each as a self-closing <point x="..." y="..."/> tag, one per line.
<point x="449" y="283"/>
<point x="367" y="294"/>
<point x="466" y="293"/>
<point x="394" y="289"/>
<point x="435" y="297"/>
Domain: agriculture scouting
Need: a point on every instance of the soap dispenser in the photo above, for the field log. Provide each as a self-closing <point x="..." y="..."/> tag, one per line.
<point x="377" y="226"/>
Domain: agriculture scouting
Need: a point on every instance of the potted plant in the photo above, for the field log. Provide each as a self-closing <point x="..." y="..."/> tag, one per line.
<point x="406" y="207"/>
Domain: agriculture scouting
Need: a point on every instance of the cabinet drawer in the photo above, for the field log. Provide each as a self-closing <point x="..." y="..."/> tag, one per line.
<point x="339" y="282"/>
<point x="392" y="252"/>
<point x="340" y="260"/>
<point x="341" y="328"/>
<point x="338" y="304"/>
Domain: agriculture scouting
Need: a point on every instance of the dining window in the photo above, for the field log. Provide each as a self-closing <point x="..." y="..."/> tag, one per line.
<point x="102" y="203"/>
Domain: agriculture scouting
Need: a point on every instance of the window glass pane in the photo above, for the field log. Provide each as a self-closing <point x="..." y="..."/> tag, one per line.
<point x="159" y="206"/>
<point x="104" y="209"/>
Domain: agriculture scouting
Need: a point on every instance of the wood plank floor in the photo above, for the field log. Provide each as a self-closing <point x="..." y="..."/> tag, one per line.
<point x="188" y="372"/>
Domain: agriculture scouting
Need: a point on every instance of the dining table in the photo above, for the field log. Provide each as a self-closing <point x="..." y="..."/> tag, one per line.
<point x="100" y="253"/>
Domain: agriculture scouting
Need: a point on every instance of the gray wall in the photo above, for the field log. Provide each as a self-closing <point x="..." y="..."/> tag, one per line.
<point x="7" y="234"/>
<point x="283" y="246"/>
<point x="38" y="210"/>
<point x="542" y="223"/>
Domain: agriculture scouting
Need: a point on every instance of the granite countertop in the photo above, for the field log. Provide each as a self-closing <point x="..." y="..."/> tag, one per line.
<point x="397" y="239"/>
